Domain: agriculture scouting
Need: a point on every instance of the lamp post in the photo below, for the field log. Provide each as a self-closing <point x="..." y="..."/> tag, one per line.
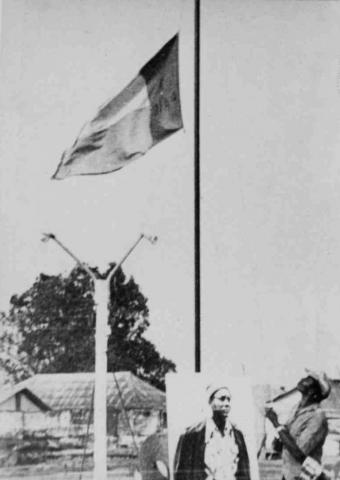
<point x="102" y="301"/>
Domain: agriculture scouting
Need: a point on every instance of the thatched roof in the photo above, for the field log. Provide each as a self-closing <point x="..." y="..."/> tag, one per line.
<point x="73" y="391"/>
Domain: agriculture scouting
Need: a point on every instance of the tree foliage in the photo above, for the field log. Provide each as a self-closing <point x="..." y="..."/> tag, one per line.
<point x="52" y="327"/>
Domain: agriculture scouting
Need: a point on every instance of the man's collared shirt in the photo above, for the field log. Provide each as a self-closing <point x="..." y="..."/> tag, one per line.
<point x="221" y="452"/>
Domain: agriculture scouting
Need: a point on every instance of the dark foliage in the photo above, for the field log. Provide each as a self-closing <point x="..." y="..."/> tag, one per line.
<point x="53" y="324"/>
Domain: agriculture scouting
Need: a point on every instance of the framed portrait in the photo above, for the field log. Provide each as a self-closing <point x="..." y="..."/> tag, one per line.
<point x="194" y="403"/>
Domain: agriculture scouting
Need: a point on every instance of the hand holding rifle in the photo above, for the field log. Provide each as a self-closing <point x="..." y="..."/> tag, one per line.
<point x="285" y="436"/>
<point x="290" y="444"/>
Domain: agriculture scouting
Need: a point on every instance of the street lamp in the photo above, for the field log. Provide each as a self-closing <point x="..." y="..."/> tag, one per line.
<point x="102" y="301"/>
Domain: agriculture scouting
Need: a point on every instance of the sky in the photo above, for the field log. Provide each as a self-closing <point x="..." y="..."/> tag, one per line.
<point x="270" y="172"/>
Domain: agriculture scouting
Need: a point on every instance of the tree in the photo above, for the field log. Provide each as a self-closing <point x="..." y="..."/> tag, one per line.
<point x="52" y="325"/>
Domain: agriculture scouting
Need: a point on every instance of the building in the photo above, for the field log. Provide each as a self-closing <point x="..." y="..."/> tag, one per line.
<point x="20" y="409"/>
<point x="62" y="405"/>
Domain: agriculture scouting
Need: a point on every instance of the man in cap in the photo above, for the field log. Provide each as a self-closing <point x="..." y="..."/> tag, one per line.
<point x="305" y="431"/>
<point x="213" y="449"/>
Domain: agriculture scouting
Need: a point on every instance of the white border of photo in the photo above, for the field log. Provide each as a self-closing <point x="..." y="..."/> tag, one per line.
<point x="187" y="403"/>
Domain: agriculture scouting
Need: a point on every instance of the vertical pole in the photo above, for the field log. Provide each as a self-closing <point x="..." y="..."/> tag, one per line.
<point x="100" y="446"/>
<point x="102" y="302"/>
<point x="197" y="191"/>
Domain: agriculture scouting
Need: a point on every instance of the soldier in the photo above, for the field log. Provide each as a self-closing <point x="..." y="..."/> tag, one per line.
<point x="305" y="432"/>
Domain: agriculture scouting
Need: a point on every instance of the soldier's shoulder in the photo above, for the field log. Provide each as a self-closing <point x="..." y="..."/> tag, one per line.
<point x="195" y="427"/>
<point x="321" y="414"/>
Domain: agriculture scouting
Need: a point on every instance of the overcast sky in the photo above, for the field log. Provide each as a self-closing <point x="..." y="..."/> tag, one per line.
<point x="270" y="140"/>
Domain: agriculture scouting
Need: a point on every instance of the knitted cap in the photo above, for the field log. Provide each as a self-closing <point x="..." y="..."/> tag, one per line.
<point x="214" y="387"/>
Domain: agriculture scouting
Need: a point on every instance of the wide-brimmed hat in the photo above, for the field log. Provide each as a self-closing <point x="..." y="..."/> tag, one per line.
<point x="322" y="380"/>
<point x="212" y="388"/>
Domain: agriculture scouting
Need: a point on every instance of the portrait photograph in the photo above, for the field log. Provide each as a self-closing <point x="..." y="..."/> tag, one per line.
<point x="211" y="427"/>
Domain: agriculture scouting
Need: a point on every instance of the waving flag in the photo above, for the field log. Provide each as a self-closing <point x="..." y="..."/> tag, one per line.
<point x="147" y="111"/>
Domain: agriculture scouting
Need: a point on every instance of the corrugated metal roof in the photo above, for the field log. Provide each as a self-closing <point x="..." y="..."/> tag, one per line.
<point x="72" y="391"/>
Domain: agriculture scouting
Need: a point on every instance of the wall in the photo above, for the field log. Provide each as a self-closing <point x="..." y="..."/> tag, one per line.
<point x="11" y="423"/>
<point x="56" y="423"/>
<point x="60" y="424"/>
<point x="8" y="405"/>
<point x="26" y="405"/>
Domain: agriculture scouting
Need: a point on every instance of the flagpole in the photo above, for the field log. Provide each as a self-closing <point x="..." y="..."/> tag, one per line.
<point x="197" y="180"/>
<point x="102" y="301"/>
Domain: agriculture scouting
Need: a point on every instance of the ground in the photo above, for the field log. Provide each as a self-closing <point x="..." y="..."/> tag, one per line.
<point x="69" y="469"/>
<point x="64" y="476"/>
<point x="269" y="470"/>
<point x="34" y="473"/>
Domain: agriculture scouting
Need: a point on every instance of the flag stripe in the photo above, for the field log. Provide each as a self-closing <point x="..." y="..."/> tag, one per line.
<point x="147" y="111"/>
<point x="129" y="99"/>
<point x="161" y="76"/>
<point x="123" y="142"/>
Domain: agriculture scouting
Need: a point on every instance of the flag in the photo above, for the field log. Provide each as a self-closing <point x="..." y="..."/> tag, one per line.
<point x="145" y="112"/>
